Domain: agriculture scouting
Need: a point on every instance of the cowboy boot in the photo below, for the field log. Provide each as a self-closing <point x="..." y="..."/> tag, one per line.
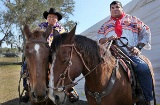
<point x="25" y="98"/>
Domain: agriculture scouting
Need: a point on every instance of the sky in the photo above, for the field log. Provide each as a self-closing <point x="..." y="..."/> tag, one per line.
<point x="89" y="12"/>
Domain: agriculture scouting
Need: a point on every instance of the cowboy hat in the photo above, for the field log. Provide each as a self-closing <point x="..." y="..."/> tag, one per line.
<point x="52" y="11"/>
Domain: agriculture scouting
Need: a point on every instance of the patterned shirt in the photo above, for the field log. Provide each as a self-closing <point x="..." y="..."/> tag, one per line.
<point x="132" y="28"/>
<point x="57" y="27"/>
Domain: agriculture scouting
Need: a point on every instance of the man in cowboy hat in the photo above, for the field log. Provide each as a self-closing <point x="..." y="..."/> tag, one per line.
<point x="52" y="17"/>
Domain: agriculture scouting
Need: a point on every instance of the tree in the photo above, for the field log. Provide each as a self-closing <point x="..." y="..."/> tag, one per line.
<point x="21" y="12"/>
<point x="5" y="28"/>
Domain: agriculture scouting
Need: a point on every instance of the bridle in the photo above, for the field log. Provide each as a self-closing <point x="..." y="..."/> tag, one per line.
<point x="62" y="76"/>
<point x="67" y="69"/>
<point x="35" y="42"/>
<point x="26" y="75"/>
<point x="96" y="95"/>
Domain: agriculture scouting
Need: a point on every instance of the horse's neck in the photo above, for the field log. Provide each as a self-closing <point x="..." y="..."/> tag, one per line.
<point x="99" y="78"/>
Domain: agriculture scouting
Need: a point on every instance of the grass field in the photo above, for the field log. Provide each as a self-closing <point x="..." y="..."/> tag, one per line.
<point x="10" y="59"/>
<point x="9" y="78"/>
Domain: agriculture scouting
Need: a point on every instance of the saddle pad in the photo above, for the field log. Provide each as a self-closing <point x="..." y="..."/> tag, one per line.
<point x="126" y="69"/>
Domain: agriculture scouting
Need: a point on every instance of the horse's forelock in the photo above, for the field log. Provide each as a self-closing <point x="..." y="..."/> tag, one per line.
<point x="37" y="33"/>
<point x="57" y="41"/>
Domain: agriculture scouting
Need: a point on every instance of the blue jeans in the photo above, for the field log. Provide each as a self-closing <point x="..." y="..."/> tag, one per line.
<point x="144" y="76"/>
<point x="24" y="67"/>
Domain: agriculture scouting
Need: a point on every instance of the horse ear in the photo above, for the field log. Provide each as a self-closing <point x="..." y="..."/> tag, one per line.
<point x="48" y="31"/>
<point x="70" y="36"/>
<point x="27" y="32"/>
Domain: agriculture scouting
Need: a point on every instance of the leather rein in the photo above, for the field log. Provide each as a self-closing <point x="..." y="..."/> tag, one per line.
<point x="96" y="95"/>
<point x="63" y="75"/>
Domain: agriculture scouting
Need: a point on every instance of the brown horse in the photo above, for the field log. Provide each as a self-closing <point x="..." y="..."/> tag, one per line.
<point x="37" y="59"/>
<point x="106" y="83"/>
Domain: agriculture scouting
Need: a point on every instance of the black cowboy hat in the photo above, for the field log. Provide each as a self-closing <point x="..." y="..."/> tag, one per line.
<point x="52" y="11"/>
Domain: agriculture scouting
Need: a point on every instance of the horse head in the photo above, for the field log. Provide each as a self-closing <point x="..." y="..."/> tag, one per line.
<point x="66" y="66"/>
<point x="37" y="59"/>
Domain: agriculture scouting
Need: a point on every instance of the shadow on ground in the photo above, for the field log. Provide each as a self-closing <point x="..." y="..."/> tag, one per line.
<point x="16" y="102"/>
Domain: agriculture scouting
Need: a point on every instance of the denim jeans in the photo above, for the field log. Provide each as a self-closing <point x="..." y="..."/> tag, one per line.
<point x="144" y="77"/>
<point x="24" y="67"/>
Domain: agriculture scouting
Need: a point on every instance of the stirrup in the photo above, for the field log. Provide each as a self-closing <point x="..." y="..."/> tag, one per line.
<point x="24" y="98"/>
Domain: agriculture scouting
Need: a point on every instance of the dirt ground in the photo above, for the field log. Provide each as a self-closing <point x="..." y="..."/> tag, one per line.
<point x="9" y="78"/>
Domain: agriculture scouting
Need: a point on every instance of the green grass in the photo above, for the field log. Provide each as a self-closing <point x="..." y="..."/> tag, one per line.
<point x="9" y="78"/>
<point x="10" y="59"/>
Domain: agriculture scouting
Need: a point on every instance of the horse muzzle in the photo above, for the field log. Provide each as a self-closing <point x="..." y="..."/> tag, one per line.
<point x="39" y="97"/>
<point x="58" y="97"/>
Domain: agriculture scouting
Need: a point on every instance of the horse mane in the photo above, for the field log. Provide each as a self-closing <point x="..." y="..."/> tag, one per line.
<point x="89" y="48"/>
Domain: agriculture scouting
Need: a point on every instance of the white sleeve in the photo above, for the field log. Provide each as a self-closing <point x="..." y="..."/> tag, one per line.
<point x="145" y="37"/>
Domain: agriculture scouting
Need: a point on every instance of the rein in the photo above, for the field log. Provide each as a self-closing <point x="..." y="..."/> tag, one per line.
<point x="62" y="76"/>
<point x="19" y="88"/>
<point x="97" y="95"/>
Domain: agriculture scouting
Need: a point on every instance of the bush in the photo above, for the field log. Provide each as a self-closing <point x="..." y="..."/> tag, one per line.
<point x="10" y="55"/>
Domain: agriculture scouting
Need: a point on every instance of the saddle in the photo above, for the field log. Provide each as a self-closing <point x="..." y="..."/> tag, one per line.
<point x="127" y="65"/>
<point x="136" y="88"/>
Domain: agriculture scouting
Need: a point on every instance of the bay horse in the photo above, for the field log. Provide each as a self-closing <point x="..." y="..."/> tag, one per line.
<point x="106" y="83"/>
<point x="37" y="58"/>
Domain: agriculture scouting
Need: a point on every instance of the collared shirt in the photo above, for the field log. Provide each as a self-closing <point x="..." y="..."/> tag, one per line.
<point x="57" y="27"/>
<point x="132" y="28"/>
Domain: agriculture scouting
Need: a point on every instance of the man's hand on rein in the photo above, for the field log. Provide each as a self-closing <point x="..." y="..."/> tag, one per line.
<point x="135" y="51"/>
